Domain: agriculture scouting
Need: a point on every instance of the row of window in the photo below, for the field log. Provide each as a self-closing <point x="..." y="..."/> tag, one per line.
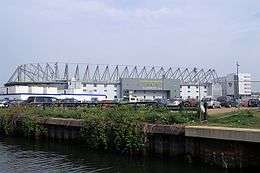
<point x="84" y="90"/>
<point x="115" y="85"/>
<point x="197" y="87"/>
<point x="95" y="85"/>
<point x="197" y="91"/>
<point x="197" y="97"/>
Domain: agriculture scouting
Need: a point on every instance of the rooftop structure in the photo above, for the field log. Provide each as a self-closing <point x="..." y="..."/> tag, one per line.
<point x="55" y="73"/>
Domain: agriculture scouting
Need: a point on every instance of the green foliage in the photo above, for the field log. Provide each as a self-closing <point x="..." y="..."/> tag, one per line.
<point x="116" y="128"/>
<point x="10" y="118"/>
<point x="30" y="127"/>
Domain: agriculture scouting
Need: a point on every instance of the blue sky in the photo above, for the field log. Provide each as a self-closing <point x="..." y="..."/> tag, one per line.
<point x="185" y="33"/>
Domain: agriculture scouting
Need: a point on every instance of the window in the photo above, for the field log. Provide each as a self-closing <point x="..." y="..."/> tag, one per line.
<point x="188" y="87"/>
<point x="205" y="87"/>
<point x="188" y="91"/>
<point x="39" y="99"/>
<point x="95" y="90"/>
<point x="115" y="85"/>
<point x="105" y="85"/>
<point x="115" y="90"/>
<point x="95" y="85"/>
<point x="188" y="97"/>
<point x="144" y="97"/>
<point x="30" y="89"/>
<point x="84" y="85"/>
<point x="84" y="90"/>
<point x="115" y="97"/>
<point x="105" y="90"/>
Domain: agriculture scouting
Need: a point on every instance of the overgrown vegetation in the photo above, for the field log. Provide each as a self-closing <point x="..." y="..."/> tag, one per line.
<point x="117" y="128"/>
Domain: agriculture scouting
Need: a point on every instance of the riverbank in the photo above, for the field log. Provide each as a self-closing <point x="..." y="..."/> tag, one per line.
<point x="143" y="131"/>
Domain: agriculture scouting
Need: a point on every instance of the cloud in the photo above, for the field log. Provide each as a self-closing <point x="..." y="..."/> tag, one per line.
<point x="99" y="10"/>
<point x="132" y="31"/>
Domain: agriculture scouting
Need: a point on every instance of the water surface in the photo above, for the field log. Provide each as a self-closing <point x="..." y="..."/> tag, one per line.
<point x="26" y="156"/>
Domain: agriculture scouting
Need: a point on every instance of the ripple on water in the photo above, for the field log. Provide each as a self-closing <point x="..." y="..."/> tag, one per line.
<point x="23" y="156"/>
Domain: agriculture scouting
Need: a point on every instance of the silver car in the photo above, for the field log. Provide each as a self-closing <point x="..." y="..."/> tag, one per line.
<point x="212" y="103"/>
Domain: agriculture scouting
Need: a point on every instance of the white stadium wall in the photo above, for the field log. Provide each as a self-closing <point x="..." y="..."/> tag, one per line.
<point x="193" y="91"/>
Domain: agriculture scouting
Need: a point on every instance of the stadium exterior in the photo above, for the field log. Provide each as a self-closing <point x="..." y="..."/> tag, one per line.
<point x="87" y="82"/>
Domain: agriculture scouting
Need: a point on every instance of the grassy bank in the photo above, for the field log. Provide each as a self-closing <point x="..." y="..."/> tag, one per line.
<point x="238" y="118"/>
<point x="117" y="128"/>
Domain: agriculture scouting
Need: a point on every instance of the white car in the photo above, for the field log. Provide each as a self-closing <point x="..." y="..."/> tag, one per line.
<point x="174" y="102"/>
<point x="4" y="104"/>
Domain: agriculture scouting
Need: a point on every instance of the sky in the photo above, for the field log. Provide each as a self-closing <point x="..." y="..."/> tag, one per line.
<point x="180" y="33"/>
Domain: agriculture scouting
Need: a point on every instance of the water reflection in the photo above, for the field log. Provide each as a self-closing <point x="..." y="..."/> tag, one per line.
<point x="22" y="156"/>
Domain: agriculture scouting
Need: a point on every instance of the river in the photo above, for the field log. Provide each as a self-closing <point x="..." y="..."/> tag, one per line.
<point x="26" y="156"/>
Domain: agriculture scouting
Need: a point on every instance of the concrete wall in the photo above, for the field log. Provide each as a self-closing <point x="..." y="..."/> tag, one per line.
<point x="230" y="86"/>
<point x="192" y="91"/>
<point x="223" y="147"/>
<point x="155" y="88"/>
<point x="245" y="84"/>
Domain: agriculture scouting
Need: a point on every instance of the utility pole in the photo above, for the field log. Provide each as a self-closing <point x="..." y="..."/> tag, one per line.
<point x="237" y="92"/>
<point x="199" y="103"/>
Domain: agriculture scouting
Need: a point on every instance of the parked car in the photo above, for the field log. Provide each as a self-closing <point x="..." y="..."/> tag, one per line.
<point x="94" y="100"/>
<point x="70" y="102"/>
<point x="244" y="103"/>
<point x="191" y="102"/>
<point x="41" y="100"/>
<point x="254" y="103"/>
<point x="161" y="102"/>
<point x="212" y="103"/>
<point x="174" y="102"/>
<point x="227" y="101"/>
<point x="4" y="104"/>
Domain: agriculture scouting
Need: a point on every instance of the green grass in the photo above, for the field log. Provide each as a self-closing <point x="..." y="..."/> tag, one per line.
<point x="141" y="114"/>
<point x="240" y="118"/>
<point x="117" y="128"/>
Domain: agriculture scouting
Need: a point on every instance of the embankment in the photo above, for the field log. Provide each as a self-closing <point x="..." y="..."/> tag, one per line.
<point x="219" y="146"/>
